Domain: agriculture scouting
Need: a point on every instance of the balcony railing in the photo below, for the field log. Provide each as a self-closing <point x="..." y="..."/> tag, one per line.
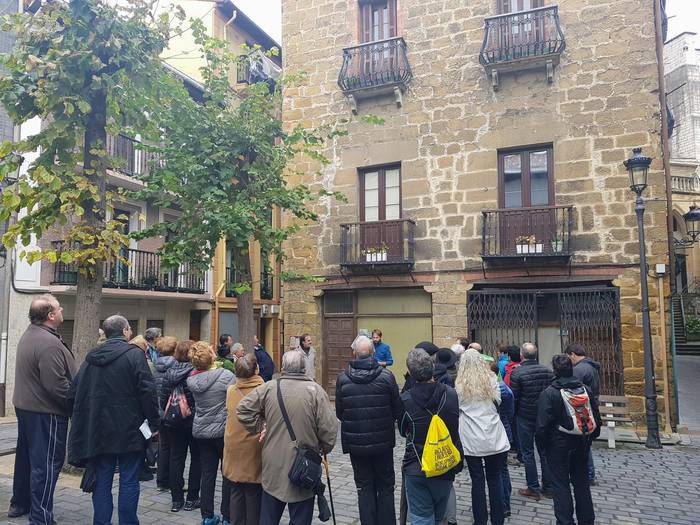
<point x="522" y="40"/>
<point x="131" y="160"/>
<point x="143" y="272"/>
<point x="523" y="233"/>
<point x="378" y="244"/>
<point x="375" y="67"/>
<point x="685" y="184"/>
<point x="266" y="283"/>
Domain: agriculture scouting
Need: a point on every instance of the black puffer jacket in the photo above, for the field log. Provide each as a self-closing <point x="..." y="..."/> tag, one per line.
<point x="420" y="402"/>
<point x="111" y="396"/>
<point x="367" y="404"/>
<point x="588" y="372"/>
<point x="176" y="374"/>
<point x="551" y="413"/>
<point x="527" y="383"/>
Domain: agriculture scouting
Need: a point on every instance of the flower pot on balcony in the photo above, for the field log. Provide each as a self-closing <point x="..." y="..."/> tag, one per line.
<point x="378" y="256"/>
<point x="557" y="246"/>
<point x="524" y="249"/>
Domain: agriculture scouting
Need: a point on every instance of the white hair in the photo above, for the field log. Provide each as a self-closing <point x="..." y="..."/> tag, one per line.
<point x="294" y="362"/>
<point x="457" y="349"/>
<point x="363" y="343"/>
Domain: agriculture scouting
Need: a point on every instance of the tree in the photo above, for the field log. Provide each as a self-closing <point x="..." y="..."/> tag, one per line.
<point x="225" y="166"/>
<point x="86" y="69"/>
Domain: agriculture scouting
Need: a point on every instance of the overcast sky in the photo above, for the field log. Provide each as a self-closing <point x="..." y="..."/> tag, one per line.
<point x="266" y="13"/>
<point x="685" y="16"/>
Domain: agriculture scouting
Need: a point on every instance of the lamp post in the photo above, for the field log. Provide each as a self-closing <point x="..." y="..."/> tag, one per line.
<point x="638" y="168"/>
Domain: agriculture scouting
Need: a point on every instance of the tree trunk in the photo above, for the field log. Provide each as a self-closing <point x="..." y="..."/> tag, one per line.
<point x="88" y="297"/>
<point x="246" y="315"/>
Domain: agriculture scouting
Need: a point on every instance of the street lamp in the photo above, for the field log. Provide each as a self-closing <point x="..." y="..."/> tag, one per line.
<point x="638" y="169"/>
<point x="692" y="222"/>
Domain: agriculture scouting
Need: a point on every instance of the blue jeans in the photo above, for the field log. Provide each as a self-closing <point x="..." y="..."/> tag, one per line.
<point x="590" y="465"/>
<point x="427" y="499"/>
<point x="102" y="503"/>
<point x="526" y="434"/>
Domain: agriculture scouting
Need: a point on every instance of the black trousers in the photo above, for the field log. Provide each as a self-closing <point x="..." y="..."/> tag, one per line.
<point x="41" y="450"/>
<point x="211" y="452"/>
<point x="163" y="474"/>
<point x="180" y="442"/>
<point x="568" y="465"/>
<point x="244" y="502"/>
<point x="375" y="479"/>
<point x="271" y="509"/>
<point x="484" y="471"/>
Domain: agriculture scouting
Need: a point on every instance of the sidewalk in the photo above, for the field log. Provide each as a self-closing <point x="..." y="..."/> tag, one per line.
<point x="637" y="486"/>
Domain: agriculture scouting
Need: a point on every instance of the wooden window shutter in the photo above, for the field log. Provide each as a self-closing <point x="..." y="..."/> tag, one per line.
<point x="366" y="22"/>
<point x="392" y="18"/>
<point x="503" y="6"/>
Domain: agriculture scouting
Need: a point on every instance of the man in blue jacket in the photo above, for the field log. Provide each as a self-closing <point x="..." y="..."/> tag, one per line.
<point x="382" y="351"/>
<point x="267" y="366"/>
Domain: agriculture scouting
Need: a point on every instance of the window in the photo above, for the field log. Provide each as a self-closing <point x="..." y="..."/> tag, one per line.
<point x="380" y="194"/>
<point x="377" y="20"/>
<point x="526" y="177"/>
<point x="512" y="6"/>
<point x="243" y="69"/>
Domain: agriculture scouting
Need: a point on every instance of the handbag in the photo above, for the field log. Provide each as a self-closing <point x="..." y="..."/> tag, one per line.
<point x="306" y="469"/>
<point x="177" y="410"/>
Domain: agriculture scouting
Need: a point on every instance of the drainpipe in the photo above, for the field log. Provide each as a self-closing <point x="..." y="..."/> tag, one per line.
<point x="664" y="143"/>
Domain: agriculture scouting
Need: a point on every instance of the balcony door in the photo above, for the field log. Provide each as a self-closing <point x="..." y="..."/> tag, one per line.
<point x="121" y="269"/>
<point x="526" y="190"/>
<point x="521" y="34"/>
<point x="381" y="232"/>
<point x="378" y="23"/>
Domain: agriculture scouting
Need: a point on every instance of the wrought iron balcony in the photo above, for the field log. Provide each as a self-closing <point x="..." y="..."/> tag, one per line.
<point x="527" y="234"/>
<point x="388" y="245"/>
<point x="375" y="68"/>
<point x="522" y="40"/>
<point x="266" y="283"/>
<point x="685" y="184"/>
<point x="131" y="160"/>
<point x="142" y="272"/>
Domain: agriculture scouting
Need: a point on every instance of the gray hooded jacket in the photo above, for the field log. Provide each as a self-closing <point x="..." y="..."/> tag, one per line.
<point x="209" y="390"/>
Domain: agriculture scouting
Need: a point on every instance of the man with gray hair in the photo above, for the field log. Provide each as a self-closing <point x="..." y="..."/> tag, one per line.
<point x="528" y="381"/>
<point x="151" y="335"/>
<point x="427" y="497"/>
<point x="113" y="395"/>
<point x="367" y="403"/>
<point x="314" y="425"/>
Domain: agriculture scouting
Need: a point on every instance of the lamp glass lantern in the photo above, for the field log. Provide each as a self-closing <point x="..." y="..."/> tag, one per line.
<point x="692" y="222"/>
<point x="638" y="170"/>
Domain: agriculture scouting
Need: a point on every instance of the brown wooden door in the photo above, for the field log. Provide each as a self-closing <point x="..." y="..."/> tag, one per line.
<point x="381" y="233"/>
<point x="518" y="34"/>
<point x="377" y="22"/>
<point x="526" y="189"/>
<point x="339" y="333"/>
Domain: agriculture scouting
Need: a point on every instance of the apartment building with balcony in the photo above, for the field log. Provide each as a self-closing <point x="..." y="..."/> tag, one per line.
<point x="492" y="203"/>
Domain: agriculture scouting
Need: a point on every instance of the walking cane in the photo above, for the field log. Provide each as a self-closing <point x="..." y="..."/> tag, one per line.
<point x="330" y="492"/>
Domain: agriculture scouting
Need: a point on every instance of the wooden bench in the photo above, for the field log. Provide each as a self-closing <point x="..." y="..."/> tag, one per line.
<point x="613" y="410"/>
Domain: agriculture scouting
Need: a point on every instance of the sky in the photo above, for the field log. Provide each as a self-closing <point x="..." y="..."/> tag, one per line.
<point x="684" y="15"/>
<point x="267" y="14"/>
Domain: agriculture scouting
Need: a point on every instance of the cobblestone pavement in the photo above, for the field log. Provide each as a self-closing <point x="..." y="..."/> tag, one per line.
<point x="637" y="486"/>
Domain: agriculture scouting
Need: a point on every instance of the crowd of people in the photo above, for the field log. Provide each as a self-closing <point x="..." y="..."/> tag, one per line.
<point x="150" y="401"/>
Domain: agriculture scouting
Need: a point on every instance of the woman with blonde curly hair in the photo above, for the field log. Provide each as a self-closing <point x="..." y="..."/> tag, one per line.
<point x="482" y="434"/>
<point x="209" y="385"/>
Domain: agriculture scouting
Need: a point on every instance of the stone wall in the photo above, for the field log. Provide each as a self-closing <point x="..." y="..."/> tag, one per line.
<point x="447" y="134"/>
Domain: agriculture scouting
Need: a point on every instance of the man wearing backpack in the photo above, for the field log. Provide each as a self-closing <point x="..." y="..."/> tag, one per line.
<point x="367" y="404"/>
<point x="567" y="422"/>
<point x="427" y="492"/>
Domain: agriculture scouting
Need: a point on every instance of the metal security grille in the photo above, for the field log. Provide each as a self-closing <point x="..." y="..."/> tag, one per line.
<point x="592" y="319"/>
<point x="588" y="316"/>
<point x="495" y="317"/>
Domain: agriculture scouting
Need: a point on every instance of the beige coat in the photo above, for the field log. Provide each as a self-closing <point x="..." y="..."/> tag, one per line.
<point x="242" y="461"/>
<point x="312" y="419"/>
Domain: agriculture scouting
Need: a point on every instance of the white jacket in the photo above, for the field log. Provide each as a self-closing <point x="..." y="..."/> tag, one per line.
<point x="480" y="427"/>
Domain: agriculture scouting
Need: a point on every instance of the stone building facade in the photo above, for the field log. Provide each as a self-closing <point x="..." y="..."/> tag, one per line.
<point x="492" y="203"/>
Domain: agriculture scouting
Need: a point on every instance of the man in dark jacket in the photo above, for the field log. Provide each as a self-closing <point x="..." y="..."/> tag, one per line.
<point x="113" y="395"/>
<point x="367" y="404"/>
<point x="565" y="449"/>
<point x="44" y="371"/>
<point x="587" y="371"/>
<point x="267" y="367"/>
<point x="527" y="383"/>
<point x="428" y="497"/>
